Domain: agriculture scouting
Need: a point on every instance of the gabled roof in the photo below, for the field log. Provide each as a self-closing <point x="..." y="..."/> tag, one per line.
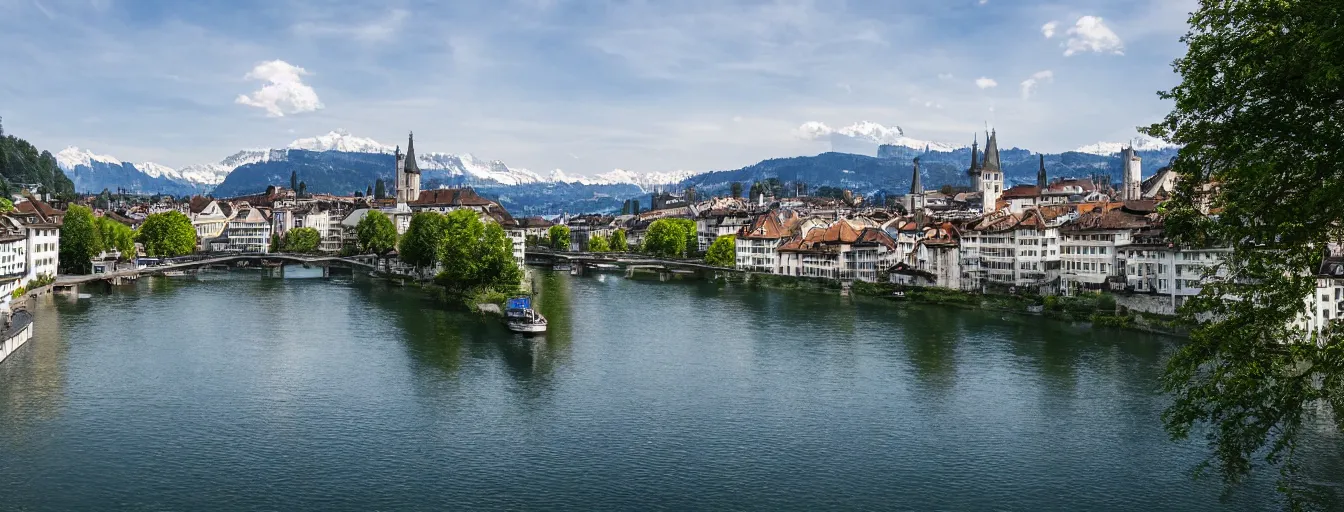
<point x="197" y="204"/>
<point x="765" y="226"/>
<point x="534" y="222"/>
<point x="1021" y="192"/>
<point x="450" y="197"/>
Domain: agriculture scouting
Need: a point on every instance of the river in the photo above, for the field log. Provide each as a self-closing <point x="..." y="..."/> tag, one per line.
<point x="236" y="392"/>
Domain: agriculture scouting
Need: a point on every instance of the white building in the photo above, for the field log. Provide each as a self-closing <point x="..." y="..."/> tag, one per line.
<point x="1155" y="267"/>
<point x="1020" y="250"/>
<point x="249" y="231"/>
<point x="1092" y="248"/>
<point x="43" y="246"/>
<point x="13" y="257"/>
<point x="758" y="242"/>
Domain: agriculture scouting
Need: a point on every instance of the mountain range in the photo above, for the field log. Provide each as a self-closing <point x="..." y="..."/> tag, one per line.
<point x="338" y="162"/>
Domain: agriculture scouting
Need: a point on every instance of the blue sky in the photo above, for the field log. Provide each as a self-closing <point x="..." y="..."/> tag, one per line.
<point x="585" y="86"/>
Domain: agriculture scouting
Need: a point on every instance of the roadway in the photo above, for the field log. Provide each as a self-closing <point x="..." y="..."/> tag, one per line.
<point x="67" y="280"/>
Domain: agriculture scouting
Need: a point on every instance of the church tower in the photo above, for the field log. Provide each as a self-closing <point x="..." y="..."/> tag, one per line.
<point x="408" y="174"/>
<point x="916" y="197"/>
<point x="1132" y="178"/>
<point x="1040" y="175"/>
<point x="991" y="175"/>
<point x="974" y="171"/>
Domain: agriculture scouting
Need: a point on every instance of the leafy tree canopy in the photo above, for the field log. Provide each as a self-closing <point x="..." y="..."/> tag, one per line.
<point x="167" y="234"/>
<point x="559" y="235"/>
<point x="80" y="241"/>
<point x="723" y="252"/>
<point x="618" y="243"/>
<point x="376" y="234"/>
<point x="598" y="243"/>
<point x="1260" y="113"/>
<point x="421" y="245"/>
<point x="302" y="240"/>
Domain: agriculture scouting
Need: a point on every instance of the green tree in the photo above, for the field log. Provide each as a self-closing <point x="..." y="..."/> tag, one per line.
<point x="379" y="190"/>
<point x="80" y="242"/>
<point x="598" y="243"/>
<point x="462" y="234"/>
<point x="665" y="238"/>
<point x="1259" y="115"/>
<point x="618" y="241"/>
<point x="723" y="252"/>
<point x="6" y="206"/>
<point x="116" y="236"/>
<point x="376" y="234"/>
<point x="422" y="244"/>
<point x="369" y="191"/>
<point x="275" y="242"/>
<point x="688" y="230"/>
<point x="559" y="235"/>
<point x="167" y="234"/>
<point x="294" y="180"/>
<point x="302" y="240"/>
<point x="498" y="269"/>
<point x="737" y="189"/>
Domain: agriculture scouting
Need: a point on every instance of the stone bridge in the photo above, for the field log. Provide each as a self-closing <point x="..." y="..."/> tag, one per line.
<point x="366" y="262"/>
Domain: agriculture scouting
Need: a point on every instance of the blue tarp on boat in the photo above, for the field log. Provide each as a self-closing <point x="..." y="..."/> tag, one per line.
<point x="519" y="303"/>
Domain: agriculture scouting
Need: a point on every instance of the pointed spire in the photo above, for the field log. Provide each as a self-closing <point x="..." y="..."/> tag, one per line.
<point x="975" y="153"/>
<point x="916" y="187"/>
<point x="411" y="166"/>
<point x="1040" y="174"/>
<point x="991" y="160"/>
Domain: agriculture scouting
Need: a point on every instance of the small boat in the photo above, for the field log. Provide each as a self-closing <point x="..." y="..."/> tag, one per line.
<point x="174" y="273"/>
<point x="898" y="295"/>
<point x="520" y="317"/>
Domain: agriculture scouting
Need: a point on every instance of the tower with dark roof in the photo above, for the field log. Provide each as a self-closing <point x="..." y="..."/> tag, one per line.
<point x="990" y="184"/>
<point x="408" y="174"/>
<point x="974" y="170"/>
<point x="1040" y="175"/>
<point x="916" y="201"/>
<point x="1132" y="175"/>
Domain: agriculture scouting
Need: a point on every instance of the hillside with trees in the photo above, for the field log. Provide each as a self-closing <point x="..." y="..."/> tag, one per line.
<point x="22" y="164"/>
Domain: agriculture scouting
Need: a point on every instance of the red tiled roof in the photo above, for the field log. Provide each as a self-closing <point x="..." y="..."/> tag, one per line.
<point x="450" y="197"/>
<point x="766" y="226"/>
<point x="1021" y="192"/>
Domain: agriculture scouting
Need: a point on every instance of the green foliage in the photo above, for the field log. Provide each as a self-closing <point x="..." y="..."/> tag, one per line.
<point x="476" y="254"/>
<point x="559" y="236"/>
<point x="598" y="243"/>
<point x="302" y="240"/>
<point x="167" y="234"/>
<point x="116" y="236"/>
<point x="379" y="190"/>
<point x="1258" y="112"/>
<point x="275" y="242"/>
<point x="20" y="162"/>
<point x="666" y="238"/>
<point x="80" y="241"/>
<point x="422" y="245"/>
<point x="376" y="234"/>
<point x="723" y="252"/>
<point x="6" y="206"/>
<point x="736" y="190"/>
<point x="617" y="243"/>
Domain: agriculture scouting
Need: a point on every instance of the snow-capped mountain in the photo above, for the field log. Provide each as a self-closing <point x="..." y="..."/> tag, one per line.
<point x="71" y="156"/>
<point x="214" y="173"/>
<point x="1140" y="143"/>
<point x="159" y="171"/>
<point x="868" y="132"/>
<point x="469" y="165"/>
<point x="645" y="181"/>
<point x="341" y="140"/>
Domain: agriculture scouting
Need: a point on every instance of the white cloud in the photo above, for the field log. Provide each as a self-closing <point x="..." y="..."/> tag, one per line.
<point x="983" y="2"/>
<point x="1089" y="34"/>
<point x="1036" y="78"/>
<point x="985" y="83"/>
<point x="284" y="92"/>
<point x="1048" y="29"/>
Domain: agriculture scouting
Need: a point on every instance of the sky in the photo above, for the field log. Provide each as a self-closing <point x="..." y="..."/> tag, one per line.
<point x="581" y="85"/>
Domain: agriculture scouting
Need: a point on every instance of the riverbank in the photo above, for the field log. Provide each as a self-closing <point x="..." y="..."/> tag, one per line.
<point x="1097" y="310"/>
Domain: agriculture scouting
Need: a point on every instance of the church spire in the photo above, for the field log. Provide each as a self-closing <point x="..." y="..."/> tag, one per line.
<point x="975" y="154"/>
<point x="991" y="161"/>
<point x="1040" y="174"/>
<point x="915" y="186"/>
<point x="411" y="166"/>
